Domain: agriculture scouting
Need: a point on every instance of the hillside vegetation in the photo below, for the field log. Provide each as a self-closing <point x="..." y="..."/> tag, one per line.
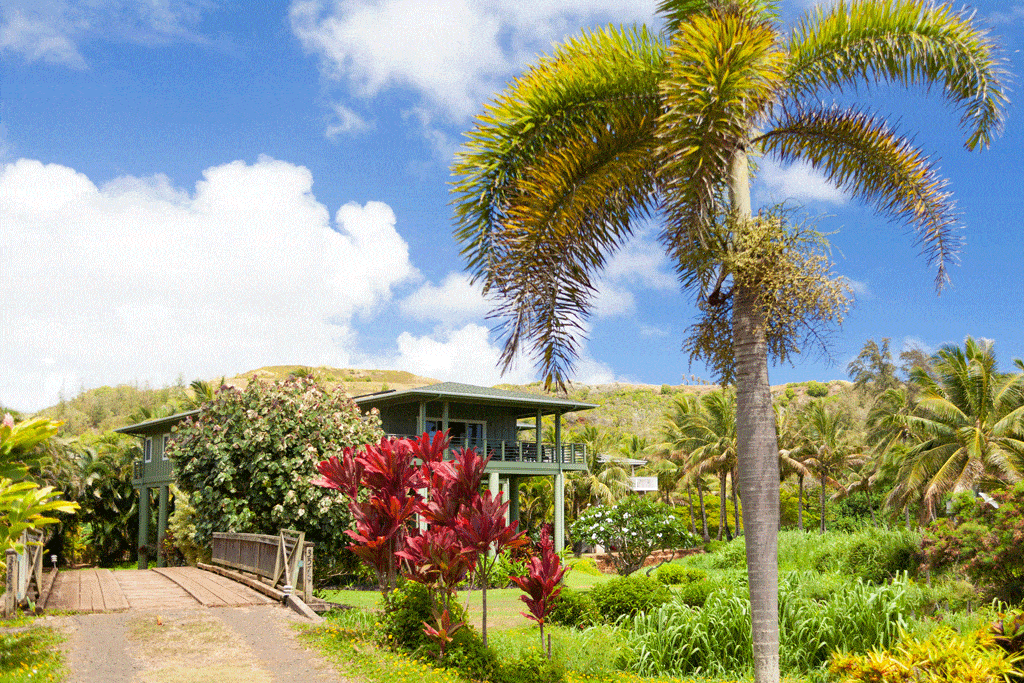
<point x="634" y="409"/>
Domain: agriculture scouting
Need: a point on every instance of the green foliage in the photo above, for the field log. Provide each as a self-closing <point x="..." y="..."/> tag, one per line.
<point x="628" y="596"/>
<point x="817" y="389"/>
<point x="530" y="667"/>
<point x="31" y="655"/>
<point x="575" y="609"/>
<point x="584" y="565"/>
<point x="181" y="529"/>
<point x="109" y="516"/>
<point x="680" y="640"/>
<point x="247" y="459"/>
<point x="944" y="657"/>
<point x="403" y="612"/>
<point x="984" y="541"/>
<point x="672" y="574"/>
<point x="696" y="593"/>
<point x="632" y="529"/>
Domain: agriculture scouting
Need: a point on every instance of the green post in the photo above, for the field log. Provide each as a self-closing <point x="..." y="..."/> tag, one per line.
<point x="559" y="512"/>
<point x="513" y="498"/>
<point x="161" y="526"/>
<point x="143" y="526"/>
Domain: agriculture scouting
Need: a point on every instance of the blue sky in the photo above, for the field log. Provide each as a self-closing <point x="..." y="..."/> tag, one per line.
<point x="193" y="188"/>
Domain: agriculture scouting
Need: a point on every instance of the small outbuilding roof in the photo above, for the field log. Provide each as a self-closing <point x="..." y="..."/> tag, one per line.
<point x="159" y="424"/>
<point x="528" y="403"/>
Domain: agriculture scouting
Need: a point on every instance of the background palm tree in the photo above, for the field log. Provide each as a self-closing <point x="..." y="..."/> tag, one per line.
<point x="826" y="448"/>
<point x="968" y="425"/>
<point x="622" y="123"/>
<point x="706" y="429"/>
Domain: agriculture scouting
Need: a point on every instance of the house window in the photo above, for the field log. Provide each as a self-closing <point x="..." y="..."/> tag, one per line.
<point x="163" y="447"/>
<point x="147" y="450"/>
<point x="475" y="431"/>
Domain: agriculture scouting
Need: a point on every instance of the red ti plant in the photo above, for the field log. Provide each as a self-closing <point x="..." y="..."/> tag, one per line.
<point x="437" y="560"/>
<point x="482" y="528"/>
<point x="544" y="582"/>
<point x="445" y="631"/>
<point x="393" y="480"/>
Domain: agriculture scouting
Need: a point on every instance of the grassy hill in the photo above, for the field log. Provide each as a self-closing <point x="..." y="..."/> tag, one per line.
<point x="624" y="409"/>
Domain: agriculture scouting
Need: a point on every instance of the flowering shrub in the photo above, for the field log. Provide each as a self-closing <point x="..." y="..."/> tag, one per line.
<point x="247" y="459"/>
<point x="632" y="529"/>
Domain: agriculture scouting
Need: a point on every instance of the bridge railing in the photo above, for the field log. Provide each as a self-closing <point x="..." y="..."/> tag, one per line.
<point x="285" y="559"/>
<point x="25" y="572"/>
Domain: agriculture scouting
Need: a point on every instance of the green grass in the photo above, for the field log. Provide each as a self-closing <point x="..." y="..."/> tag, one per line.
<point x="30" y="655"/>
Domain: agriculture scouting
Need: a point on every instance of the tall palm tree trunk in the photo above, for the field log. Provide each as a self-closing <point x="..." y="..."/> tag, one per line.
<point x="800" y="502"/>
<point x="822" y="499"/>
<point x="735" y="505"/>
<point x="723" y="511"/>
<point x="704" y="515"/>
<point x="757" y="449"/>
<point x="693" y="522"/>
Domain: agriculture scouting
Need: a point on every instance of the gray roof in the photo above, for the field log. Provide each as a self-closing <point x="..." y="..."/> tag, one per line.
<point x="155" y="425"/>
<point x="468" y="393"/>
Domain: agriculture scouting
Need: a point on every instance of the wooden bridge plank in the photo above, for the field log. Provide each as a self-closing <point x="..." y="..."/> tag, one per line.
<point x="201" y="593"/>
<point x="114" y="599"/>
<point x="147" y="590"/>
<point x="89" y="595"/>
<point x="226" y="587"/>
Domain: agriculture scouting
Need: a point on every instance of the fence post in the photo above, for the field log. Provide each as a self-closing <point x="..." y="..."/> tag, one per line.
<point x="307" y="574"/>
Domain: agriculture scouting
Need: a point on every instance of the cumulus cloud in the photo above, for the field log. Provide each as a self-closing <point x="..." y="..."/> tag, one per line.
<point x="640" y="265"/>
<point x="454" y="54"/>
<point x="777" y="183"/>
<point x="51" y="30"/>
<point x="453" y="302"/>
<point x="462" y="355"/>
<point x="860" y="288"/>
<point x="140" y="281"/>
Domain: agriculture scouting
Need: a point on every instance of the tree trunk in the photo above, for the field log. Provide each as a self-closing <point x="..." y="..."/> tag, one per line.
<point x="704" y="515"/>
<point x="736" y="506"/>
<point x="723" y="509"/>
<point x="822" y="499"/>
<point x="757" y="454"/>
<point x="693" y="522"/>
<point x="800" y="502"/>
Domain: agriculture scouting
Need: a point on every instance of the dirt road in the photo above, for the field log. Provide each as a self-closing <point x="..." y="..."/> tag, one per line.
<point x="224" y="645"/>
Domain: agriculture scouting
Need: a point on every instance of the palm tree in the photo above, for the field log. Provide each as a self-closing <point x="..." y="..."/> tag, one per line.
<point x="969" y="426"/>
<point x="790" y="435"/>
<point x="706" y="429"/>
<point x="826" y="449"/>
<point x="619" y="124"/>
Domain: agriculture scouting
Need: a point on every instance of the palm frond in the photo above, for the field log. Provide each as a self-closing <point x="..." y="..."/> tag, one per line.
<point x="860" y="154"/>
<point x="550" y="182"/>
<point x="912" y="42"/>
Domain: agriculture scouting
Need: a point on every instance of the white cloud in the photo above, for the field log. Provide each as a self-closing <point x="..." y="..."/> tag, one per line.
<point x="344" y="121"/>
<point x="640" y="265"/>
<point x="51" y="30"/>
<point x="452" y="53"/>
<point x="453" y="302"/>
<point x="462" y="355"/>
<point x="652" y="331"/>
<point x="1012" y="14"/>
<point x="140" y="281"/>
<point x="860" y="288"/>
<point x="796" y="182"/>
<point x="911" y="343"/>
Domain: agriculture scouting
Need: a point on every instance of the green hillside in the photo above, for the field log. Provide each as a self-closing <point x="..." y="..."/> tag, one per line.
<point x="624" y="409"/>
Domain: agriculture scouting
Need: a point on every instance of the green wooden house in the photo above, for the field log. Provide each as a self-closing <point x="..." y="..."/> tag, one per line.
<point x="476" y="417"/>
<point x="153" y="473"/>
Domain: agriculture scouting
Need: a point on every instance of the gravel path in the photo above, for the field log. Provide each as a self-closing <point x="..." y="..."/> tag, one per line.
<point x="223" y="645"/>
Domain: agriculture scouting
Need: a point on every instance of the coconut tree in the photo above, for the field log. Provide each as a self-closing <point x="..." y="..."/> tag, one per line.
<point x="789" y="430"/>
<point x="827" y="449"/>
<point x="622" y="124"/>
<point x="706" y="429"/>
<point x="968" y="426"/>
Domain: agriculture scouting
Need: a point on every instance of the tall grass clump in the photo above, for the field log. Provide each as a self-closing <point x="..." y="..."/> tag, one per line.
<point x="680" y="640"/>
<point x="873" y="554"/>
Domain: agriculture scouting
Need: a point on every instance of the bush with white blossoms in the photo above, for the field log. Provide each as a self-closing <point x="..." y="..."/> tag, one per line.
<point x="632" y="529"/>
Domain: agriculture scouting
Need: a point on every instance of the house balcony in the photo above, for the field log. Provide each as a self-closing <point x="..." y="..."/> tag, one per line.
<point x="523" y="457"/>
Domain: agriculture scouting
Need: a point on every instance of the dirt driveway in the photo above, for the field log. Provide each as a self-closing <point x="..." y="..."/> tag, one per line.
<point x="223" y="645"/>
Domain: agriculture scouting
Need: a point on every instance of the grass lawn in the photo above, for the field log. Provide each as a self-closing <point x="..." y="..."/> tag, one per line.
<point x="30" y="655"/>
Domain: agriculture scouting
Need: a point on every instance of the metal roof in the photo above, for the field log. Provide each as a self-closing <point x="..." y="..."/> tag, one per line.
<point x="453" y="391"/>
<point x="150" y="426"/>
<point x="613" y="458"/>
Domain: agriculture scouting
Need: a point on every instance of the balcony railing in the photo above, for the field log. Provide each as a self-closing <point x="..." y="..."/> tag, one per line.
<point x="520" y="451"/>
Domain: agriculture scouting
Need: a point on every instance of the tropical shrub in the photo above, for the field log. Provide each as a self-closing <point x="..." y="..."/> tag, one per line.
<point x="247" y="459"/>
<point x="575" y="609"/>
<point x="944" y="657"/>
<point x="632" y="529"/>
<point x="984" y="541"/>
<point x="696" y="593"/>
<point x="672" y="574"/>
<point x="628" y="595"/>
<point x="530" y="667"/>
<point x="817" y="389"/>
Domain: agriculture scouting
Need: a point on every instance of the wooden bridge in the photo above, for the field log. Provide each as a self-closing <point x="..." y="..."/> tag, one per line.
<point x="103" y="590"/>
